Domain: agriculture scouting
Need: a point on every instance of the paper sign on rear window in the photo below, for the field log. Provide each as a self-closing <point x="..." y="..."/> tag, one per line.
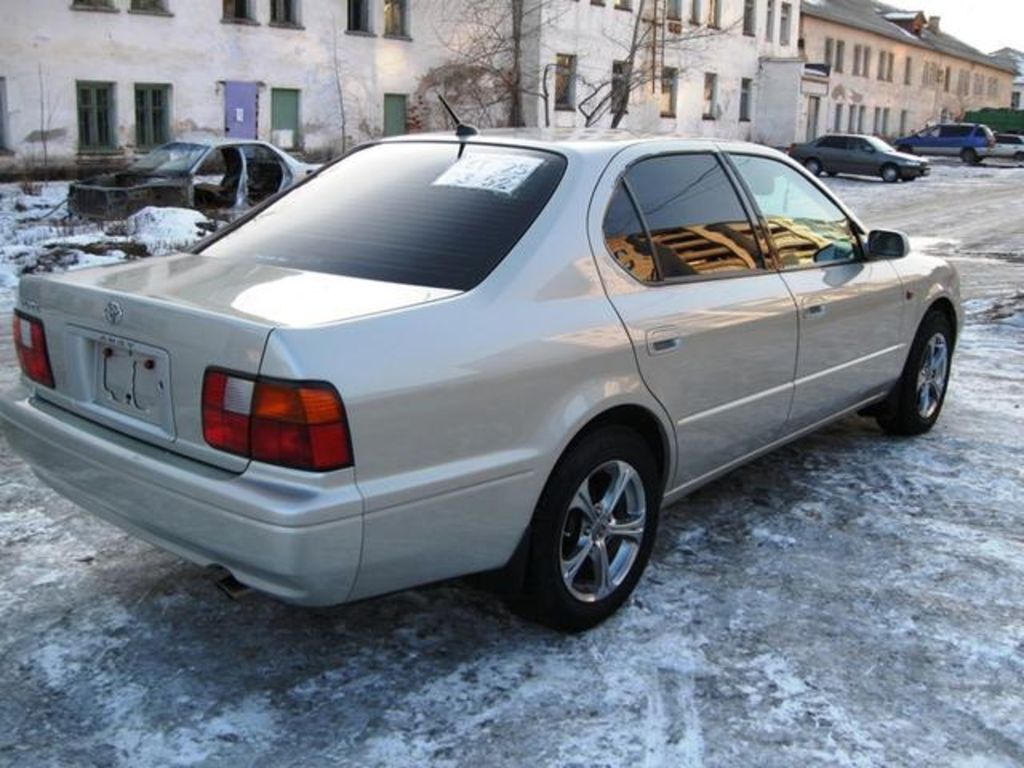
<point x="503" y="174"/>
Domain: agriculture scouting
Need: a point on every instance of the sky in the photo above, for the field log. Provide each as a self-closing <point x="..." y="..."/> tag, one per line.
<point x="986" y="24"/>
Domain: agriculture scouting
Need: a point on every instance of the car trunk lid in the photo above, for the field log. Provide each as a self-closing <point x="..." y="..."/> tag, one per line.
<point x="129" y="345"/>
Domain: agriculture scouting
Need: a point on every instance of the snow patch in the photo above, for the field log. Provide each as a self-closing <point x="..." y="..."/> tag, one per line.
<point x="163" y="230"/>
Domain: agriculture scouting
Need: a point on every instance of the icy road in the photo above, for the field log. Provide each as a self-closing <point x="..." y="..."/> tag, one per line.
<point x="851" y="600"/>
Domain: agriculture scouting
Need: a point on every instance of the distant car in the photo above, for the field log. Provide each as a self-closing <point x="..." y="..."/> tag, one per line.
<point x="971" y="142"/>
<point x="209" y="174"/>
<point x="860" y="155"/>
<point x="1009" y="146"/>
<point x="446" y="355"/>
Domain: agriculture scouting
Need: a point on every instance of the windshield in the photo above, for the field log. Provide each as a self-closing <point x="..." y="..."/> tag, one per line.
<point x="879" y="144"/>
<point x="173" y="158"/>
<point x="423" y="213"/>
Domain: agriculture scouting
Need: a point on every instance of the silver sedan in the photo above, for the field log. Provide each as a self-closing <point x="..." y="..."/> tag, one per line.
<point x="503" y="354"/>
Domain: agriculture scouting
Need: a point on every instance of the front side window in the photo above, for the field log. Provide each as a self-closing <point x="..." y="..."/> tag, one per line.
<point x="96" y="116"/>
<point x="806" y="228"/>
<point x="428" y="214"/>
<point x="693" y="215"/>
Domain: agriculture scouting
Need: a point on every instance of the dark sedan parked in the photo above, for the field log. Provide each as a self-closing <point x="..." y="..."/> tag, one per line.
<point x="860" y="155"/>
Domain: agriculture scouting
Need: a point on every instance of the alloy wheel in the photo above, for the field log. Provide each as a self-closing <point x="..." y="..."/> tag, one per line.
<point x="931" y="379"/>
<point x="602" y="531"/>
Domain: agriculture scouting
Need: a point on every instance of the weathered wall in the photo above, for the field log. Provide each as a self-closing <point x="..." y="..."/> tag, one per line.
<point x="924" y="104"/>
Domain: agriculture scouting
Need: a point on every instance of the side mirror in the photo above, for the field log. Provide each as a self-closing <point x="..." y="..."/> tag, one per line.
<point x="887" y="244"/>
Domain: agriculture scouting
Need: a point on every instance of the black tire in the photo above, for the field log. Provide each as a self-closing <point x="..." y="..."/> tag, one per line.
<point x="890" y="173"/>
<point x="832" y="174"/>
<point x="1019" y="157"/>
<point x="905" y="149"/>
<point x="904" y="414"/>
<point x="969" y="156"/>
<point x="560" y="529"/>
<point x="813" y="165"/>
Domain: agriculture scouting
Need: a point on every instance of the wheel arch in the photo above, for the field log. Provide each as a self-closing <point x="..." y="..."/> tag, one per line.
<point x="945" y="306"/>
<point x="642" y="421"/>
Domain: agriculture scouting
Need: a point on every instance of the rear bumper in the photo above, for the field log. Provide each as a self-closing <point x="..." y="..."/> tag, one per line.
<point x="258" y="527"/>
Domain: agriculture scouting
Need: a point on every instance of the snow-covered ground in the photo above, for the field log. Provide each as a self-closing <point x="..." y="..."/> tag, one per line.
<point x="851" y="600"/>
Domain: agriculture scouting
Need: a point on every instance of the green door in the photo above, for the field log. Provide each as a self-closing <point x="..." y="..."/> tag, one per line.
<point x="394" y="114"/>
<point x="284" y="117"/>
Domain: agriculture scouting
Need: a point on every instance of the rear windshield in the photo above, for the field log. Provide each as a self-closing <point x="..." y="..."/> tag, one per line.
<point x="412" y="213"/>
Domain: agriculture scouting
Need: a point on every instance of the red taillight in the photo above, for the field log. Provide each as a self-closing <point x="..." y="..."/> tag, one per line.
<point x="30" y="341"/>
<point x="293" y="424"/>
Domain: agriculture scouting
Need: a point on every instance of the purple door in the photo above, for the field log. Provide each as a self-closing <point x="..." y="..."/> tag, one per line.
<point x="241" y="104"/>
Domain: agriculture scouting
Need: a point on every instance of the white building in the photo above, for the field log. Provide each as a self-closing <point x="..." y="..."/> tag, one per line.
<point x="85" y="83"/>
<point x="892" y="71"/>
<point x="1016" y="59"/>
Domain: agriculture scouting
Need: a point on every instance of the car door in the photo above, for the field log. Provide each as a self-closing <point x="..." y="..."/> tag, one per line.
<point x="714" y="330"/>
<point x="850" y="309"/>
<point x="865" y="157"/>
<point x="831" y="154"/>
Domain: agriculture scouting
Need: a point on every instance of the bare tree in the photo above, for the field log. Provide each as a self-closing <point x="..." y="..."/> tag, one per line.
<point x="493" y="39"/>
<point x="642" y="55"/>
<point x="340" y="92"/>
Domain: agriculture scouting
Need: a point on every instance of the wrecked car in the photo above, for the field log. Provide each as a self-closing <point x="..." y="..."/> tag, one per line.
<point x="210" y="174"/>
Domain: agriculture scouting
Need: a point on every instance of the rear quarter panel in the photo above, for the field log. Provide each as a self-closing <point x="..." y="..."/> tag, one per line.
<point x="459" y="409"/>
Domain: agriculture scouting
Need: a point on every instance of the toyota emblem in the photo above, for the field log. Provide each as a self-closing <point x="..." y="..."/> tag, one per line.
<point x="113" y="312"/>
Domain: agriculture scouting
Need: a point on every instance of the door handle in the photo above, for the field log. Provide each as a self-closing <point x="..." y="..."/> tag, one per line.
<point x="663" y="340"/>
<point x="813" y="311"/>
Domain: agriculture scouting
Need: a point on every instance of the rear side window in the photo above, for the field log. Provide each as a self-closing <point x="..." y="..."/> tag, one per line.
<point x="696" y="223"/>
<point x="832" y="142"/>
<point x="955" y="131"/>
<point x="413" y="213"/>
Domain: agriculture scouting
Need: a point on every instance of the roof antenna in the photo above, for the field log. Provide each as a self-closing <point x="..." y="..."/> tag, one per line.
<point x="462" y="130"/>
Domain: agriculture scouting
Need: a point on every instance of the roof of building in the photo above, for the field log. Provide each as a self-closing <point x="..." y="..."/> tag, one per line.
<point x="881" y="18"/>
<point x="1013" y="57"/>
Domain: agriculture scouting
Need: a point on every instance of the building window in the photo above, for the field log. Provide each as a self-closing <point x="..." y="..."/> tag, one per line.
<point x="695" y="12"/>
<point x="749" y="18"/>
<point x="1014" y="102"/>
<point x="881" y="65"/>
<point x="908" y="71"/>
<point x="284" y="12"/>
<point x="904" y="119"/>
<point x="837" y="124"/>
<point x="853" y="119"/>
<point x="3" y="114"/>
<point x="714" y="13"/>
<point x="785" y="19"/>
<point x="237" y="10"/>
<point x="284" y="118"/>
<point x="878" y="120"/>
<point x="395" y="111"/>
<point x="830" y="46"/>
<point x="813" y="116"/>
<point x="710" y="95"/>
<point x="866" y="63"/>
<point x="565" y="81"/>
<point x="993" y="87"/>
<point x="746" y="96"/>
<point x="624" y="5"/>
<point x="359" y="16"/>
<point x="152" y="115"/>
<point x="669" y="78"/>
<point x="769" y="21"/>
<point x="92" y="5"/>
<point x="95" y="116"/>
<point x="885" y="121"/>
<point x="396" y="19"/>
<point x="149" y="6"/>
<point x="674" y="10"/>
<point x="979" y="85"/>
<point x="862" y="112"/>
<point x="840" y="61"/>
<point x="858" y="50"/>
<point x="620" y="88"/>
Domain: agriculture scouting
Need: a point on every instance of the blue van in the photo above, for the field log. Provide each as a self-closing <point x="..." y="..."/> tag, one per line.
<point x="971" y="141"/>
